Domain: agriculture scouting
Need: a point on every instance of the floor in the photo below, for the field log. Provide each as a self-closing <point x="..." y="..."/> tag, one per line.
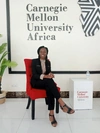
<point x="14" y="118"/>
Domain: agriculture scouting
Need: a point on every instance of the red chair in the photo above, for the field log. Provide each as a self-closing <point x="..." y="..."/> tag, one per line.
<point x="34" y="93"/>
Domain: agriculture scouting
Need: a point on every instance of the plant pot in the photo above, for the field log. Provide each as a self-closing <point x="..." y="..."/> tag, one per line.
<point x="2" y="97"/>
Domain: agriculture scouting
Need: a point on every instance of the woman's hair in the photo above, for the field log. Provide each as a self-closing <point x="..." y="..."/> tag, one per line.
<point x="38" y="51"/>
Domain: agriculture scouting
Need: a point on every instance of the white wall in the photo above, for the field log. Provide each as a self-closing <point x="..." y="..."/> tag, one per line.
<point x="16" y="82"/>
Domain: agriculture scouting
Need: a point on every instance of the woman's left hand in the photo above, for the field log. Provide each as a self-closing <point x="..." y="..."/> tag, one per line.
<point x="51" y="75"/>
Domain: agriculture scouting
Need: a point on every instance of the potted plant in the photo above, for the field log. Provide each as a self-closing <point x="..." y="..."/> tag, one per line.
<point x="4" y="63"/>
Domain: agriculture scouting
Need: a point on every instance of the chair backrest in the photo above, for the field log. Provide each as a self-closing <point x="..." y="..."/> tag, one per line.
<point x="28" y="68"/>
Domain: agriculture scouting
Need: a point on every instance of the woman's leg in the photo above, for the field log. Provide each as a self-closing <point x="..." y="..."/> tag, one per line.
<point x="51" y="91"/>
<point x="52" y="118"/>
<point x="50" y="84"/>
<point x="51" y="88"/>
<point x="43" y="84"/>
<point x="64" y="107"/>
<point x="51" y="101"/>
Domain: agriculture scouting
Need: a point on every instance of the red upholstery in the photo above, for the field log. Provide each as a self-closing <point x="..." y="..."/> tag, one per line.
<point x="33" y="93"/>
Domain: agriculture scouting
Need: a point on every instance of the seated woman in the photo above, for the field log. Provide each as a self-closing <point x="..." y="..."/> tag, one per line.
<point x="42" y="78"/>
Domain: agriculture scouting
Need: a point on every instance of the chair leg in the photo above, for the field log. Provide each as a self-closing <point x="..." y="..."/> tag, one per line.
<point x="57" y="106"/>
<point x="28" y="104"/>
<point x="46" y="101"/>
<point x="33" y="109"/>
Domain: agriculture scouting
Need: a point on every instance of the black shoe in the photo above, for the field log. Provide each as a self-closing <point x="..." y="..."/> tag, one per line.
<point x="70" y="111"/>
<point x="54" y="122"/>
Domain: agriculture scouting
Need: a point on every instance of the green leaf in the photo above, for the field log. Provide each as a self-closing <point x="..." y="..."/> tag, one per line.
<point x="0" y="35"/>
<point x="3" y="48"/>
<point x="9" y="63"/>
<point x="4" y="63"/>
<point x="2" y="67"/>
<point x="3" y="55"/>
<point x="2" y="70"/>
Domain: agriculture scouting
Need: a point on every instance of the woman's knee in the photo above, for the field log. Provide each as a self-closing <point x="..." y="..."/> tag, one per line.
<point x="49" y="80"/>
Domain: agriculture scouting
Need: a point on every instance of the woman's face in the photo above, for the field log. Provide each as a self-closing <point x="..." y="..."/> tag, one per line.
<point x="43" y="53"/>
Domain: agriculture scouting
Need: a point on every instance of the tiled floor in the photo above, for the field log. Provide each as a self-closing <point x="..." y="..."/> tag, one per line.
<point x="14" y="118"/>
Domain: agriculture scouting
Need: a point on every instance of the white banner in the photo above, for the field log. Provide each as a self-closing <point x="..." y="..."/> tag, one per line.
<point x="56" y="25"/>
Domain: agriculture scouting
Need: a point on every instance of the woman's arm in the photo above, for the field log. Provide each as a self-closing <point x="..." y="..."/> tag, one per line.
<point x="35" y="75"/>
<point x="49" y="73"/>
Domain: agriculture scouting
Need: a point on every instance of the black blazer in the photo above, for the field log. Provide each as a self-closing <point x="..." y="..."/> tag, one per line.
<point x="37" y="70"/>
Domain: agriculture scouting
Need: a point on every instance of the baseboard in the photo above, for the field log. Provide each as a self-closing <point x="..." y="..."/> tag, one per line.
<point x="64" y="94"/>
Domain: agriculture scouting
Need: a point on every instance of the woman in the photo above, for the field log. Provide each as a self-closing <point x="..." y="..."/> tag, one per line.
<point x="42" y="77"/>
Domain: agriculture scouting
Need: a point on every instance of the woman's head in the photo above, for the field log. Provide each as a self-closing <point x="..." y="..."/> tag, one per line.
<point x="42" y="52"/>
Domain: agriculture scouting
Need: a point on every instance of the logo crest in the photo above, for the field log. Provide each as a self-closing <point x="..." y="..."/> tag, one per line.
<point x="90" y="16"/>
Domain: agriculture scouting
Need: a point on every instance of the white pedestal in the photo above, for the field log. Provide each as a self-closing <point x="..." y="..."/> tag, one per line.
<point x="81" y="93"/>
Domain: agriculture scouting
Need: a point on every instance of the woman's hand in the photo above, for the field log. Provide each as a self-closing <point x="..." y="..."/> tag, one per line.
<point x="49" y="76"/>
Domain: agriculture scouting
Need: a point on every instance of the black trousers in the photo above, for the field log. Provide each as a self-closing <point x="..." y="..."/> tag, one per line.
<point x="51" y="91"/>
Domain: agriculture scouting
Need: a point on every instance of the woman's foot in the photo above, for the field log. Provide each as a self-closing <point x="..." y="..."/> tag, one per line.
<point x="67" y="109"/>
<point x="53" y="120"/>
<point x="64" y="107"/>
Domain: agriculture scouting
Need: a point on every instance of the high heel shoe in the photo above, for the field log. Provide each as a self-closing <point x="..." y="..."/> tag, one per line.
<point x="70" y="111"/>
<point x="54" y="122"/>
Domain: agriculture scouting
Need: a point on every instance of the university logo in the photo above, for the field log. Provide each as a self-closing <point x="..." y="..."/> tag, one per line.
<point x="90" y="16"/>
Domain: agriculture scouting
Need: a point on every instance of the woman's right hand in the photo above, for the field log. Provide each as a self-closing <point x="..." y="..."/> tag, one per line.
<point x="49" y="76"/>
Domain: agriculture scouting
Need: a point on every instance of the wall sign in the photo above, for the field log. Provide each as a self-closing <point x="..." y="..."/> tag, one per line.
<point x="56" y="25"/>
<point x="90" y="17"/>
